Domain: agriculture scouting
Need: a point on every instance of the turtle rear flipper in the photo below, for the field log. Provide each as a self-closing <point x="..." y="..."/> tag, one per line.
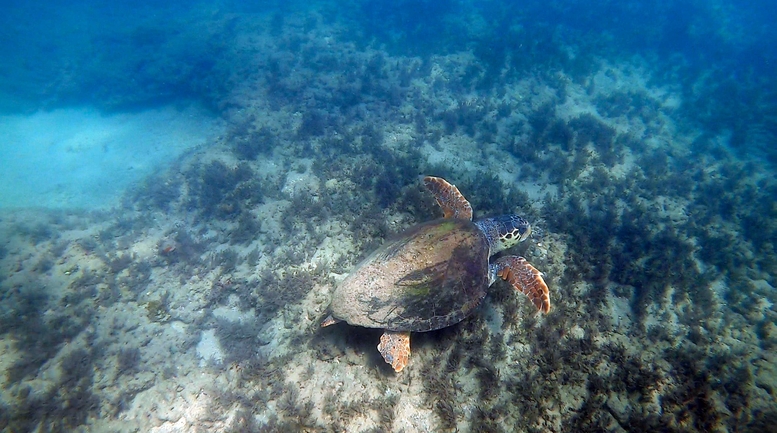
<point x="452" y="202"/>
<point x="395" y="348"/>
<point x="329" y="321"/>
<point x="525" y="278"/>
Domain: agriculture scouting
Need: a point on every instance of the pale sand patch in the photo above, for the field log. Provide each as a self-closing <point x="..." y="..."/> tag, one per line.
<point x="81" y="158"/>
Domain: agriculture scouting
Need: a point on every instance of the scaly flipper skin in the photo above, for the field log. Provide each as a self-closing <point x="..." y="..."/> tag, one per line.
<point x="453" y="204"/>
<point x="525" y="278"/>
<point x="395" y="348"/>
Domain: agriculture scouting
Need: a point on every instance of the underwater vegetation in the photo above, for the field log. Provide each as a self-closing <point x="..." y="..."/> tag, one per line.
<point x="249" y="143"/>
<point x="61" y="409"/>
<point x="215" y="189"/>
<point x="654" y="223"/>
<point x="39" y="338"/>
<point x="159" y="192"/>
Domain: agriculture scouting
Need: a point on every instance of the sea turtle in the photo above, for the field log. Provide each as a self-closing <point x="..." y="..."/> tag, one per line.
<point x="434" y="274"/>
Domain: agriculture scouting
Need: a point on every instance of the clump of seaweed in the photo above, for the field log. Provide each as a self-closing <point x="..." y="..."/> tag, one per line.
<point x="119" y="262"/>
<point x="247" y="229"/>
<point x="227" y="259"/>
<point x="248" y="144"/>
<point x="314" y="124"/>
<point x="158" y="192"/>
<point x="439" y="391"/>
<point x="213" y="188"/>
<point x="45" y="263"/>
<point x="690" y="401"/>
<point x="182" y="247"/>
<point x="240" y="339"/>
<point x="630" y="103"/>
<point x="64" y="407"/>
<point x="252" y="258"/>
<point x="490" y="196"/>
<point x="127" y="360"/>
<point x="591" y="130"/>
<point x="37" y="336"/>
<point x="36" y="233"/>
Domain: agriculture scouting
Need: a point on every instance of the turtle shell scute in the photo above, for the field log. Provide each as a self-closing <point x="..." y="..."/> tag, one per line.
<point x="430" y="277"/>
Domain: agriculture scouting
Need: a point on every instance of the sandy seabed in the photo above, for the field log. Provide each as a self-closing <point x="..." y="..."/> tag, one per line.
<point x="195" y="304"/>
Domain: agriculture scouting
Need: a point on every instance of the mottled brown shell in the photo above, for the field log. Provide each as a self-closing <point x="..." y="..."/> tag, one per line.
<point x="430" y="277"/>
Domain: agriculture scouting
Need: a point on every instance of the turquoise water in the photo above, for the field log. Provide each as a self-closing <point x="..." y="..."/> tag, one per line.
<point x="183" y="185"/>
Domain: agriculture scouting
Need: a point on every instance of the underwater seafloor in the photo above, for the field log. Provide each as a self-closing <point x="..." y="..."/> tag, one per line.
<point x="195" y="304"/>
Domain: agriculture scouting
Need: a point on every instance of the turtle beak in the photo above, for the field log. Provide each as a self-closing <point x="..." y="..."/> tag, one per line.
<point x="525" y="235"/>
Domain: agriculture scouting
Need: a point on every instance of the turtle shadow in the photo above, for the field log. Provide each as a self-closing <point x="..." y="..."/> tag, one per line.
<point x="436" y="341"/>
<point x="350" y="344"/>
<point x="358" y="346"/>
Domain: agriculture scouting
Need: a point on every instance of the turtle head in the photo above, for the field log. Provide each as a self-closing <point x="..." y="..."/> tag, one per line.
<point x="504" y="231"/>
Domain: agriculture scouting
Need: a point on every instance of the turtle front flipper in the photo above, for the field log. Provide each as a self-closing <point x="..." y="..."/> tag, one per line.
<point x="395" y="348"/>
<point x="453" y="204"/>
<point x="525" y="278"/>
